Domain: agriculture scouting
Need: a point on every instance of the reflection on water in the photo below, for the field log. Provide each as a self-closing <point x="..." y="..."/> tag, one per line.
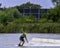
<point x="11" y="40"/>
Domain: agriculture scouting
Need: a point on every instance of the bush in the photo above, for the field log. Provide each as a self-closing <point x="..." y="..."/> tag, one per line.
<point x="42" y="20"/>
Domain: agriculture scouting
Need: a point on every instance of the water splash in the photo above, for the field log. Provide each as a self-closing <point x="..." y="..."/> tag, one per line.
<point x="43" y="42"/>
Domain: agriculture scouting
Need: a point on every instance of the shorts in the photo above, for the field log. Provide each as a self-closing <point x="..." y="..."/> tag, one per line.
<point x="22" y="39"/>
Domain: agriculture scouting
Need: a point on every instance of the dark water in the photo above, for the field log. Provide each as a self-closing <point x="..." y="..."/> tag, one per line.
<point x="11" y="40"/>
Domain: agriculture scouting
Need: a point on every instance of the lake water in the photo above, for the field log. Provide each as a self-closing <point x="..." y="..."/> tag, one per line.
<point x="35" y="41"/>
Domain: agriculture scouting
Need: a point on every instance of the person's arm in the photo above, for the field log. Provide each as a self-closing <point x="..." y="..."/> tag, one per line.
<point x="26" y="39"/>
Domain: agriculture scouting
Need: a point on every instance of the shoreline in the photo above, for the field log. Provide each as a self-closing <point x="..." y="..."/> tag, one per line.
<point x="33" y="33"/>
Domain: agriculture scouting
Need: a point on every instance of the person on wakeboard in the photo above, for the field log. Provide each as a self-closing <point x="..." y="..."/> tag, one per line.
<point x="22" y="41"/>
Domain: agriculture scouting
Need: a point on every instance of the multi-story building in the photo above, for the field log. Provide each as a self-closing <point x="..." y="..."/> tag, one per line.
<point x="37" y="13"/>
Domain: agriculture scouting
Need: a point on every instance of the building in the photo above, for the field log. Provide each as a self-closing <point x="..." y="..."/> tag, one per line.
<point x="37" y="13"/>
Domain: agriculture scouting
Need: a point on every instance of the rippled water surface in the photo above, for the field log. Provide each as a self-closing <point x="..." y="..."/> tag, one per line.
<point x="11" y="41"/>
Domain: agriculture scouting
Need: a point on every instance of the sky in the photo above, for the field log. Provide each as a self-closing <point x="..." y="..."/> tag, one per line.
<point x="11" y="3"/>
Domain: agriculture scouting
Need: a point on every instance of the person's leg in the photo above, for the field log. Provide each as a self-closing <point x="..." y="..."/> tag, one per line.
<point x="23" y="41"/>
<point x="20" y="43"/>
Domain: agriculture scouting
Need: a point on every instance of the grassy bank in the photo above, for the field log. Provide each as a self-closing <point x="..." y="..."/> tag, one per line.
<point x="31" y="28"/>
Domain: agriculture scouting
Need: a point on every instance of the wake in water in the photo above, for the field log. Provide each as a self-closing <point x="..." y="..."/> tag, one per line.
<point x="43" y="42"/>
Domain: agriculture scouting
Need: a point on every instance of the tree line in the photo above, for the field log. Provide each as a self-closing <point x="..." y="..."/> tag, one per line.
<point x="12" y="21"/>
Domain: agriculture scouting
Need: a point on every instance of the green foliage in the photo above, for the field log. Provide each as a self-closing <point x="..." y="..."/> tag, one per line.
<point x="44" y="15"/>
<point x="20" y="20"/>
<point x="8" y="15"/>
<point x="12" y="28"/>
<point x="1" y="28"/>
<point x="50" y="21"/>
<point x="58" y="21"/>
<point x="12" y="21"/>
<point x="54" y="14"/>
<point x="42" y="20"/>
<point x="31" y="27"/>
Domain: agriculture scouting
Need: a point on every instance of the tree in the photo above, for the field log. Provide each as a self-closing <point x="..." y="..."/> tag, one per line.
<point x="8" y="15"/>
<point x="28" y="5"/>
<point x="54" y="14"/>
<point x="56" y="2"/>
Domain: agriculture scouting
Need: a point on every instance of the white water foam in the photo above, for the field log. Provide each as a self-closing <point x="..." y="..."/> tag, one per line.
<point x="43" y="42"/>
